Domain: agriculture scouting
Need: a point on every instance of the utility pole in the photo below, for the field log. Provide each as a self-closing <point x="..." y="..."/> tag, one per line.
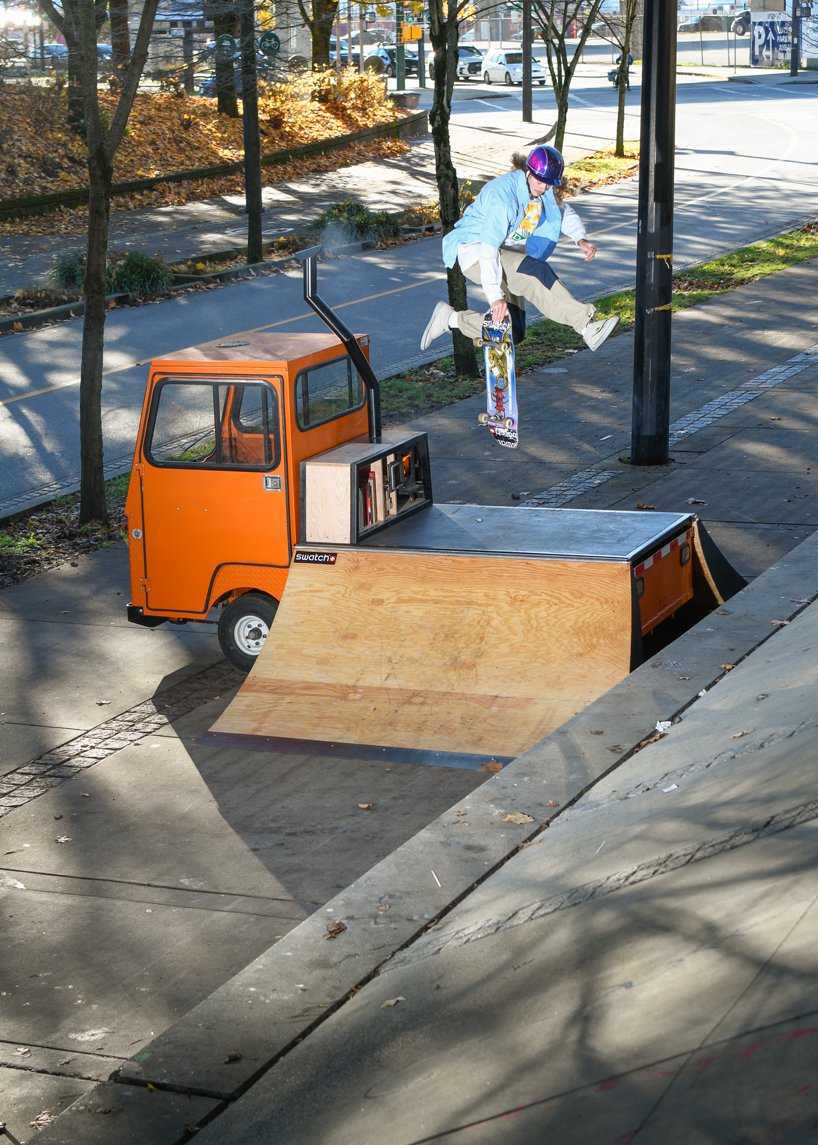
<point x="252" y="140"/>
<point x="528" y="114"/>
<point x="400" y="56"/>
<point x="794" y="53"/>
<point x="654" y="243"/>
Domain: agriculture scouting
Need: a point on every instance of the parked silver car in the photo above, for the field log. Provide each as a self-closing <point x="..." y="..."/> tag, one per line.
<point x="504" y="65"/>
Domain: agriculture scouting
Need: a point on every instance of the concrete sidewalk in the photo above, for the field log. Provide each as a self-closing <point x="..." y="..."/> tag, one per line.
<point x="644" y="971"/>
<point x="146" y="945"/>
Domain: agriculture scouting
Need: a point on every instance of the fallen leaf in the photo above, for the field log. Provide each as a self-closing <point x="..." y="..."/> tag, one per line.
<point x="233" y="1057"/>
<point x="85" y="794"/>
<point x="746" y="732"/>
<point x="775" y="419"/>
<point x="602" y="733"/>
<point x="518" y="817"/>
<point x="640" y="505"/>
<point x="365" y="806"/>
<point x="42" y="1119"/>
<point x="515" y="496"/>
<point x="492" y="765"/>
<point x="22" y="1051"/>
<point x="727" y="667"/>
<point x="334" y="928"/>
<point x="58" y="816"/>
<point x="102" y="703"/>
<point x="393" y="1002"/>
<point x="779" y="623"/>
<point x="694" y="501"/>
<point x="460" y="812"/>
<point x="382" y="906"/>
<point x="762" y="696"/>
<point x="552" y="803"/>
<point x="63" y="839"/>
<point x="684" y="677"/>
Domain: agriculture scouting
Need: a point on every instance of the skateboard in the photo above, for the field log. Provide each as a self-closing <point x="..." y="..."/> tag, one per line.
<point x="501" y="386"/>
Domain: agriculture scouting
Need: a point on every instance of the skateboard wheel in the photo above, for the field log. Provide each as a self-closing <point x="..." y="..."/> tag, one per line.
<point x="508" y="422"/>
<point x="483" y="418"/>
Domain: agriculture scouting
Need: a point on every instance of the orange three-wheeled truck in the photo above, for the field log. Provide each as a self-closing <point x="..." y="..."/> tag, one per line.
<point x="257" y="451"/>
<point x="214" y="502"/>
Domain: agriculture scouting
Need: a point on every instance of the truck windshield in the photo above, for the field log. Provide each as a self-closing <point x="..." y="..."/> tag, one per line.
<point x="214" y="425"/>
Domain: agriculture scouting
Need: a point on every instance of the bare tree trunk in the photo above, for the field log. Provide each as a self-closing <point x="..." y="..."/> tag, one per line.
<point x="320" y="21"/>
<point x="623" y="83"/>
<point x="252" y="141"/>
<point x="227" y="102"/>
<point x="102" y="147"/>
<point x="443" y="34"/>
<point x="92" y="493"/>
<point x="120" y="37"/>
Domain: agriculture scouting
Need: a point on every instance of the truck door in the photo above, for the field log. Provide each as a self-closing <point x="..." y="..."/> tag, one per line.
<point x="214" y="486"/>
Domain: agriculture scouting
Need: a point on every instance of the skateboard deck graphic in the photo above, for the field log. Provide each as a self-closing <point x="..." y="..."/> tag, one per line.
<point x="501" y="386"/>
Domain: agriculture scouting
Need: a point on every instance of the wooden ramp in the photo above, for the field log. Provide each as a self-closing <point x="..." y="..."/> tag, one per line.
<point x="447" y="658"/>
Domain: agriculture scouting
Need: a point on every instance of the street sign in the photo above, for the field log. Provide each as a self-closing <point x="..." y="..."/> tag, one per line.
<point x="225" y="47"/>
<point x="269" y="44"/>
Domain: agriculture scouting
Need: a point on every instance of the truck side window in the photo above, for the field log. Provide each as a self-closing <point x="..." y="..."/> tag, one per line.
<point x="327" y="391"/>
<point x="212" y="425"/>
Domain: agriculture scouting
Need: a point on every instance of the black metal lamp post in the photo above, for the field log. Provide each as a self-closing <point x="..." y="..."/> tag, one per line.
<point x="654" y="246"/>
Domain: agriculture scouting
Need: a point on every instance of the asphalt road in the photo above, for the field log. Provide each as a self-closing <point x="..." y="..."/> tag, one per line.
<point x="745" y="169"/>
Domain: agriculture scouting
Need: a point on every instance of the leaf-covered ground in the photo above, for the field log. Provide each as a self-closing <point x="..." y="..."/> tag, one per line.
<point x="39" y="154"/>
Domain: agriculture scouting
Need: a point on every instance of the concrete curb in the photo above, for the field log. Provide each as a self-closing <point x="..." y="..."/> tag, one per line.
<point x="36" y="318"/>
<point x="263" y="1012"/>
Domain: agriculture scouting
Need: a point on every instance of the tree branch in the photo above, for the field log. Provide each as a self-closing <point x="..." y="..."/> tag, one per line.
<point x="132" y="77"/>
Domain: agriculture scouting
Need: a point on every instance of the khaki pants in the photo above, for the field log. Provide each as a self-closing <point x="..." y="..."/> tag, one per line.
<point x="555" y="302"/>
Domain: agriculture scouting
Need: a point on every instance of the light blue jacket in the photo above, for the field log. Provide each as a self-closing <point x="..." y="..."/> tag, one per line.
<point x="497" y="212"/>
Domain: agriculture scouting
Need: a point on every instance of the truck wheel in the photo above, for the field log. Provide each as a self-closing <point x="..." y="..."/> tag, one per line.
<point x="244" y="625"/>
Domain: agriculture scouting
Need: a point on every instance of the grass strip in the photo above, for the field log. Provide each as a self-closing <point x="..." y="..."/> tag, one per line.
<point x="429" y="388"/>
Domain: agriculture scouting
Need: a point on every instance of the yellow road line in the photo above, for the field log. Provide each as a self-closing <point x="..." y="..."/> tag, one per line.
<point x="255" y="330"/>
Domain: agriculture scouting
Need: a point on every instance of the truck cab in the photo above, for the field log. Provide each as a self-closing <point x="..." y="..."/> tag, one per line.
<point x="214" y="502"/>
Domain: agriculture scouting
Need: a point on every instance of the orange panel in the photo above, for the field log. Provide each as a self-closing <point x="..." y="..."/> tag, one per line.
<point x="238" y="578"/>
<point x="668" y="584"/>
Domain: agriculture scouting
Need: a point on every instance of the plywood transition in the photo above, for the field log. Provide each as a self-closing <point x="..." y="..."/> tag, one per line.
<point x="434" y="653"/>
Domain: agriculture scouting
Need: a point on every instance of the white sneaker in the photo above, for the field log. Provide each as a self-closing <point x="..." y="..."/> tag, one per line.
<point x="595" y="333"/>
<point x="438" y="324"/>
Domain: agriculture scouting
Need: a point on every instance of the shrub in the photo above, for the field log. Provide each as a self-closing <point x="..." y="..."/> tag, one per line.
<point x="69" y="270"/>
<point x="348" y="221"/>
<point x="140" y="275"/>
<point x="135" y="273"/>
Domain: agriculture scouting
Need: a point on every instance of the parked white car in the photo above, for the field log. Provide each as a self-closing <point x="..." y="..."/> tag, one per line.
<point x="506" y="66"/>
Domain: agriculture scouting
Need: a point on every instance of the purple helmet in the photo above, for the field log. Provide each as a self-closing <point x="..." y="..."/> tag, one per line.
<point x="546" y="164"/>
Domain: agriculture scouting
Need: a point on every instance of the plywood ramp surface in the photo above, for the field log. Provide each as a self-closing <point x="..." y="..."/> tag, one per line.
<point x="447" y="653"/>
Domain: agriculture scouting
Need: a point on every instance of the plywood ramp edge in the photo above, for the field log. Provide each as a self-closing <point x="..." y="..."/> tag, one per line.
<point x="468" y="654"/>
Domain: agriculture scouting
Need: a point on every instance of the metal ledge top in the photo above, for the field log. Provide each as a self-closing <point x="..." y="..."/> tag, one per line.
<point x="572" y="534"/>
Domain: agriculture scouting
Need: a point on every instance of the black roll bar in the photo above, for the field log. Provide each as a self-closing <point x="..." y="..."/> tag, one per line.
<point x="373" y="388"/>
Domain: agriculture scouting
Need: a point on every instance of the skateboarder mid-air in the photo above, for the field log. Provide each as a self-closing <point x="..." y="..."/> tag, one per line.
<point x="503" y="242"/>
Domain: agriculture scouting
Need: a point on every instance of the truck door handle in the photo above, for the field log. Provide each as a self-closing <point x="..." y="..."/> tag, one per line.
<point x="272" y="484"/>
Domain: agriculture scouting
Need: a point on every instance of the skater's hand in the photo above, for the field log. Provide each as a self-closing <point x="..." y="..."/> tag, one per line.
<point x="499" y="310"/>
<point x="588" y="249"/>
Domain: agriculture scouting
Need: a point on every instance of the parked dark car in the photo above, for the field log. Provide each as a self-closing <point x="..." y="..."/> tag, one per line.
<point x="381" y="59"/>
<point x="53" y="56"/>
<point x="706" y="22"/>
<point x="742" y="23"/>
